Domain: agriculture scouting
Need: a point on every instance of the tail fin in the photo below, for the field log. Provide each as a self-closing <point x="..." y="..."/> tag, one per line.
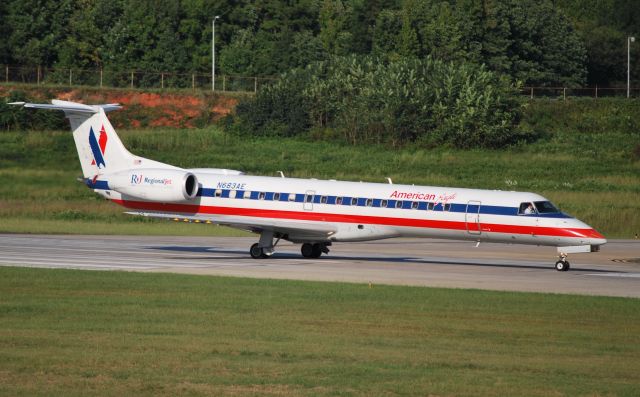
<point x="99" y="148"/>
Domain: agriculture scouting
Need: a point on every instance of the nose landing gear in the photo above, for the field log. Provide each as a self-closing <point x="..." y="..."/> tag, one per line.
<point x="562" y="265"/>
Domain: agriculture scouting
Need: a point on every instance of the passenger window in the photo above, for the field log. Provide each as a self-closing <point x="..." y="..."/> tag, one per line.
<point x="218" y="193"/>
<point x="399" y="204"/>
<point x="276" y="196"/>
<point x="261" y="196"/>
<point x="430" y="206"/>
<point x="447" y="207"/>
<point x="414" y="205"/>
<point x="369" y="202"/>
<point x="247" y="194"/>
<point x="292" y="197"/>
<point x="309" y="198"/>
<point x="323" y="199"/>
<point x="232" y="194"/>
<point x="384" y="204"/>
<point x="338" y="200"/>
<point x="354" y="201"/>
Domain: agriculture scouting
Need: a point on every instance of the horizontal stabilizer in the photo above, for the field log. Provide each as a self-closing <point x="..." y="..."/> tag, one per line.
<point x="69" y="106"/>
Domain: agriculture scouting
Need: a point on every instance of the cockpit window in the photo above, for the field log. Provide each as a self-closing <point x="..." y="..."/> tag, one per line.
<point x="545" y="207"/>
<point x="527" y="209"/>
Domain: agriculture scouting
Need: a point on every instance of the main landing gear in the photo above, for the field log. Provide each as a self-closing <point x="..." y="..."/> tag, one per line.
<point x="315" y="250"/>
<point x="562" y="265"/>
<point x="266" y="247"/>
<point x="257" y="252"/>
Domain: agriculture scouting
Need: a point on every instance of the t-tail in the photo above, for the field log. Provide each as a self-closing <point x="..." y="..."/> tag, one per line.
<point x="108" y="165"/>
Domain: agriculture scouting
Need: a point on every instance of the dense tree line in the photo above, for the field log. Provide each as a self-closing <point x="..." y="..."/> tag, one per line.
<point x="538" y="42"/>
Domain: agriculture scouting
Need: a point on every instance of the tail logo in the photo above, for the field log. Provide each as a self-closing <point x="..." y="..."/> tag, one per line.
<point x="98" y="147"/>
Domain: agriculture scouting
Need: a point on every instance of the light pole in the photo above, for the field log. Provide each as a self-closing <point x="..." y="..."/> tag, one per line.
<point x="213" y="53"/>
<point x="630" y="40"/>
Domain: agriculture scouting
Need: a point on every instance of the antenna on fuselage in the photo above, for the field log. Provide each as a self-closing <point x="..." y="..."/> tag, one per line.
<point x="390" y="181"/>
<point x="281" y="174"/>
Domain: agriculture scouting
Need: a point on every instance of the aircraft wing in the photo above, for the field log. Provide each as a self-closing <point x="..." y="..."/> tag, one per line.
<point x="300" y="229"/>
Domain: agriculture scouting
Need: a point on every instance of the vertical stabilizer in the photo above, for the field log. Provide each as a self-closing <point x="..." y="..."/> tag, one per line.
<point x="100" y="150"/>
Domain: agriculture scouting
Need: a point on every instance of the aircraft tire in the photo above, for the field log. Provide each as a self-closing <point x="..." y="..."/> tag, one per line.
<point x="256" y="252"/>
<point x="307" y="250"/>
<point x="562" y="266"/>
<point x="316" y="250"/>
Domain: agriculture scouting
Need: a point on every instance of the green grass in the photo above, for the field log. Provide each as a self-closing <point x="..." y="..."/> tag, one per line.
<point x="65" y="332"/>
<point x="146" y="227"/>
<point x="593" y="174"/>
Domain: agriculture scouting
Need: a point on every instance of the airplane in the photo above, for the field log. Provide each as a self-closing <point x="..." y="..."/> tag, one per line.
<point x="313" y="213"/>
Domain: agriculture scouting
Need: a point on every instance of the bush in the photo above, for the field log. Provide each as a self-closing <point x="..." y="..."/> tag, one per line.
<point x="279" y="109"/>
<point x="366" y="99"/>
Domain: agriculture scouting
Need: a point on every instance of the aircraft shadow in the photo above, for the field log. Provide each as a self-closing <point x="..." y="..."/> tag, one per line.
<point x="201" y="250"/>
<point x="425" y="261"/>
<point x="242" y="254"/>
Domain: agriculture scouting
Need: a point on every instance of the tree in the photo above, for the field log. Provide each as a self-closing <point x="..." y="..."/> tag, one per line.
<point x="409" y="45"/>
<point x="5" y="31"/>
<point x="529" y="40"/>
<point x="83" y="45"/>
<point x="386" y="40"/>
<point x="439" y="30"/>
<point x="604" y="26"/>
<point x="147" y="37"/>
<point x="495" y="30"/>
<point x="334" y="23"/>
<point x="37" y="29"/>
<point x="363" y="20"/>
<point x="533" y="42"/>
<point x="238" y="56"/>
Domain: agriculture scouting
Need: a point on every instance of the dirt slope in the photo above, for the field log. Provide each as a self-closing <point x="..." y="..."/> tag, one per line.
<point x="140" y="109"/>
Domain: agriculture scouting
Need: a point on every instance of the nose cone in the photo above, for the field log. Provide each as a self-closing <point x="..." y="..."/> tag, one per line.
<point x="595" y="238"/>
<point x="592" y="236"/>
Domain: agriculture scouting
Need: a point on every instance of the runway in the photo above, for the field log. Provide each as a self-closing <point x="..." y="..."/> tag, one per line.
<point x="615" y="271"/>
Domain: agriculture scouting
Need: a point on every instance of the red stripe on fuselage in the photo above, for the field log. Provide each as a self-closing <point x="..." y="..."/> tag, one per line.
<point x="190" y="209"/>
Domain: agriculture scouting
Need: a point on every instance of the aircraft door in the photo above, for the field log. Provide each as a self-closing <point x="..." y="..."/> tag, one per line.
<point x="308" y="200"/>
<point x="472" y="217"/>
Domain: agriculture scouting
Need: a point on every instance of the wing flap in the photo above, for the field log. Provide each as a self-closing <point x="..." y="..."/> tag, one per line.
<point x="255" y="225"/>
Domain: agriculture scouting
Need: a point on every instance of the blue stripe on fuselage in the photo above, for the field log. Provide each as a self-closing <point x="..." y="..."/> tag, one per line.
<point x="346" y="201"/>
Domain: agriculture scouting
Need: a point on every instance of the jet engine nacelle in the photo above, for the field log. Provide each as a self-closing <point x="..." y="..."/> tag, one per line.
<point x="168" y="185"/>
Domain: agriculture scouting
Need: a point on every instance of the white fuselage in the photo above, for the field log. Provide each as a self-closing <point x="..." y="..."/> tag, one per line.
<point x="321" y="210"/>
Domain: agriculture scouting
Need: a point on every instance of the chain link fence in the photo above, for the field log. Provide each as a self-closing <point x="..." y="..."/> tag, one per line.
<point x="586" y="92"/>
<point x="227" y="83"/>
<point x="130" y="79"/>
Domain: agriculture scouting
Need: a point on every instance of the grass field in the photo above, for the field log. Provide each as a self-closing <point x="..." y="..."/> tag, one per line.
<point x="69" y="333"/>
<point x="588" y="164"/>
